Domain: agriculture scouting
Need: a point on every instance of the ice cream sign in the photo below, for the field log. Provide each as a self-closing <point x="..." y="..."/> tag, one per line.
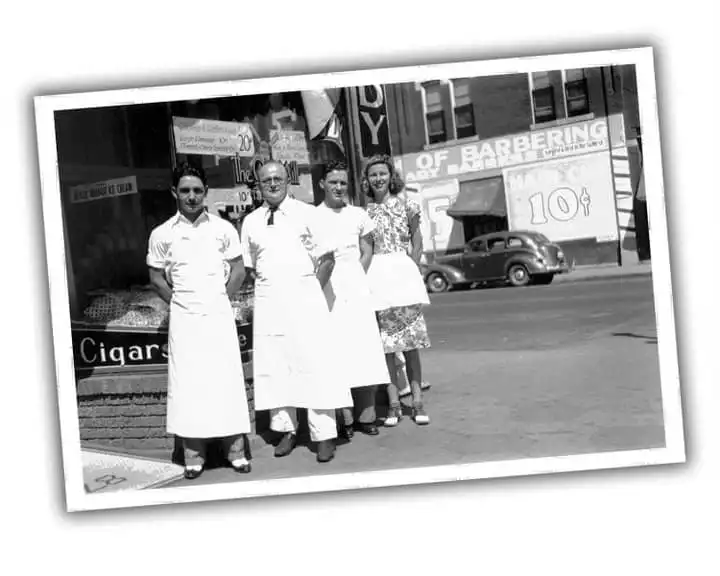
<point x="213" y="137"/>
<point x="527" y="147"/>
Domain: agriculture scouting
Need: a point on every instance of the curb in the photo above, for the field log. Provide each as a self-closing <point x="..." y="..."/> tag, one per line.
<point x="612" y="275"/>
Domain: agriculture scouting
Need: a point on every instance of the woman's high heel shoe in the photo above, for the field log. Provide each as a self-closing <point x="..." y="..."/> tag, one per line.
<point x="419" y="415"/>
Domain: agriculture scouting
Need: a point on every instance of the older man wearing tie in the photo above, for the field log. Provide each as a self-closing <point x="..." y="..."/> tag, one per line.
<point x="295" y="357"/>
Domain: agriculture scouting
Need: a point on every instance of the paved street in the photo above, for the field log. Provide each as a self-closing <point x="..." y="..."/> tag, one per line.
<point x="569" y="368"/>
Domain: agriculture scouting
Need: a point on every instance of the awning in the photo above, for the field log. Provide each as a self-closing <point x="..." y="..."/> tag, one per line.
<point x="480" y="198"/>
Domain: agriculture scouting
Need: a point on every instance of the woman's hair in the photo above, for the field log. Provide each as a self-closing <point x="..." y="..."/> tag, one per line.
<point x="187" y="169"/>
<point x="396" y="182"/>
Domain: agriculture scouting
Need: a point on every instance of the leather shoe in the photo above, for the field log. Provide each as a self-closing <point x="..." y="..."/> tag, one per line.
<point x="286" y="445"/>
<point x="192" y="473"/>
<point x="369" y="429"/>
<point x="346" y="432"/>
<point x="326" y="451"/>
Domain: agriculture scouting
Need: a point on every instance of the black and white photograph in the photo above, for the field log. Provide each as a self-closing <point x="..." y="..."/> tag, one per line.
<point x="385" y="277"/>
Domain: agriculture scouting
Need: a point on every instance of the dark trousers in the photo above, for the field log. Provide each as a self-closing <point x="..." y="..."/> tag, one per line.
<point x="364" y="406"/>
<point x="195" y="449"/>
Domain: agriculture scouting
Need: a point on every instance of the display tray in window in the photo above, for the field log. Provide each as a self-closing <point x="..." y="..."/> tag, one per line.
<point x="143" y="308"/>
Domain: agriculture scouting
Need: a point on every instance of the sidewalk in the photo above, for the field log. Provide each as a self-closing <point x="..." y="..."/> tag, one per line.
<point x="490" y="406"/>
<point x="604" y="271"/>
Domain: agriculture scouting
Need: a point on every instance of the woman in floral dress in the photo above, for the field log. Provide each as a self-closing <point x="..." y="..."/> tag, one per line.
<point x="396" y="284"/>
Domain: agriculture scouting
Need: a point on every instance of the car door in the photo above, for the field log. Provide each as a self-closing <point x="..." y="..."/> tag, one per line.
<point x="475" y="260"/>
<point x="497" y="255"/>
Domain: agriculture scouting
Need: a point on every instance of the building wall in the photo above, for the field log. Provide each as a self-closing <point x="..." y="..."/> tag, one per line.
<point x="502" y="106"/>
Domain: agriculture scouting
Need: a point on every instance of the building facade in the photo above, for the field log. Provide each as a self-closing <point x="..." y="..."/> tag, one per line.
<point x="558" y="152"/>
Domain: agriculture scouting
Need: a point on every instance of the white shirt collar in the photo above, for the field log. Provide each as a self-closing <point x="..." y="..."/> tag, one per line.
<point x="180" y="219"/>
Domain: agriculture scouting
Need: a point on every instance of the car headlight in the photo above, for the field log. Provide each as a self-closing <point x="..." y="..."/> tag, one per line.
<point x="561" y="254"/>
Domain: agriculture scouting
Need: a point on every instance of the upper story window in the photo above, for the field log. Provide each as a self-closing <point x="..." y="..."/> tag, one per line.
<point x="463" y="112"/>
<point x="577" y="101"/>
<point x="543" y="97"/>
<point x="559" y="94"/>
<point x="437" y="131"/>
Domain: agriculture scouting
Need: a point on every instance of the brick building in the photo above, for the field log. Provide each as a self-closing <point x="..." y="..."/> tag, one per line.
<point x="450" y="118"/>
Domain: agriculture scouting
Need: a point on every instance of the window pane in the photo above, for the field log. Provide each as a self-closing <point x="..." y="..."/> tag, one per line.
<point x="464" y="116"/>
<point x="462" y="92"/>
<point x="436" y="124"/>
<point x="433" y="98"/>
<point x="573" y="75"/>
<point x="544" y="102"/>
<point x="541" y="80"/>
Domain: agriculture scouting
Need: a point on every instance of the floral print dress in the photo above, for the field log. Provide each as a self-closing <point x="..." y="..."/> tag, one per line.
<point x="402" y="322"/>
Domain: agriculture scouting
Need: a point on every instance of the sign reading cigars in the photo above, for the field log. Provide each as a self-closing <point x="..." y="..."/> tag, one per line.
<point x="96" y="348"/>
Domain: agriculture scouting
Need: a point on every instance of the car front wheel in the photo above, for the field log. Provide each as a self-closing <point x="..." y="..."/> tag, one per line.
<point x="437" y="283"/>
<point x="518" y="275"/>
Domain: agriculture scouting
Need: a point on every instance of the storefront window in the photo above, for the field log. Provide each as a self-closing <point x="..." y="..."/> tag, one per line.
<point x="115" y="168"/>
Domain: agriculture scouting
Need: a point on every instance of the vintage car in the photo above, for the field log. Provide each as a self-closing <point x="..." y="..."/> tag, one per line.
<point x="518" y="258"/>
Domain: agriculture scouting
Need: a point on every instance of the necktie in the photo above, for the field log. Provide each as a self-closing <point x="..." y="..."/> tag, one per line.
<point x="271" y="218"/>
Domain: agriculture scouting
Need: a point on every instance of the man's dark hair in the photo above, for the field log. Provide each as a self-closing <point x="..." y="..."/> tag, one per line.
<point x="187" y="169"/>
<point x="333" y="166"/>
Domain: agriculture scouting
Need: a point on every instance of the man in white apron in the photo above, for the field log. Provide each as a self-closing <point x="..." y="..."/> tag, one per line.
<point x="349" y="228"/>
<point x="294" y="353"/>
<point x="195" y="263"/>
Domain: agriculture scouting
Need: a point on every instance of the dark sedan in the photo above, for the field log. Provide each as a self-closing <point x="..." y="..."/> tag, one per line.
<point x="518" y="258"/>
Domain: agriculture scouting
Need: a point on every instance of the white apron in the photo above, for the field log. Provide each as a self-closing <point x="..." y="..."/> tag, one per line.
<point x="206" y="384"/>
<point x="295" y="350"/>
<point x="348" y="296"/>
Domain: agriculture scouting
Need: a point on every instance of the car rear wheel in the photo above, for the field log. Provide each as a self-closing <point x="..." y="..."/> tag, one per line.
<point x="543" y="279"/>
<point x="518" y="275"/>
<point x="436" y="282"/>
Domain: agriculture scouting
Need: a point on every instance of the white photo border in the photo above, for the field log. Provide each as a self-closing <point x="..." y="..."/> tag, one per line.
<point x="76" y="497"/>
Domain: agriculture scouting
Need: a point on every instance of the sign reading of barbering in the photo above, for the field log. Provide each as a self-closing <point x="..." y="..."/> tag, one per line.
<point x="213" y="137"/>
<point x="559" y="142"/>
<point x="103" y="190"/>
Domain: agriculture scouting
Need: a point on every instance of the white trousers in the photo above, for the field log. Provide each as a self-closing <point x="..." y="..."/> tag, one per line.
<point x="321" y="422"/>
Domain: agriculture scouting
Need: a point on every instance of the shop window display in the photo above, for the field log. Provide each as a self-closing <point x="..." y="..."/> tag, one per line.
<point x="124" y="156"/>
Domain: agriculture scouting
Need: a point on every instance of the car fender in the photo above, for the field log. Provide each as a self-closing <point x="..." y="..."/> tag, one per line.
<point x="454" y="275"/>
<point x="530" y="262"/>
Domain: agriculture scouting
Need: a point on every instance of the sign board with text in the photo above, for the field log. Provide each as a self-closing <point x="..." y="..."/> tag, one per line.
<point x="122" y="350"/>
<point x="289" y="146"/>
<point x="213" y="137"/>
<point x="527" y="147"/>
<point x="103" y="190"/>
<point x="374" y="130"/>
<point x="563" y="199"/>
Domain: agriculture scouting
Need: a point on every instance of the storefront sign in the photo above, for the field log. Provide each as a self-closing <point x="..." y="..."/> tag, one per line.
<point x="223" y="198"/>
<point x="289" y="146"/>
<point x="437" y="228"/>
<point x="213" y="137"/>
<point x="374" y="131"/>
<point x="121" y="350"/>
<point x="559" y="142"/>
<point x="245" y="172"/>
<point x="563" y="199"/>
<point x="103" y="190"/>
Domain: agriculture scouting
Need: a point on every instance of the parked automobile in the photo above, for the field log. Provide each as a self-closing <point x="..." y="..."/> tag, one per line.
<point x="518" y="258"/>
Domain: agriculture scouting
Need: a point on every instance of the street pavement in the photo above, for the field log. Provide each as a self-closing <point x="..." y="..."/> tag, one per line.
<point x="569" y="368"/>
